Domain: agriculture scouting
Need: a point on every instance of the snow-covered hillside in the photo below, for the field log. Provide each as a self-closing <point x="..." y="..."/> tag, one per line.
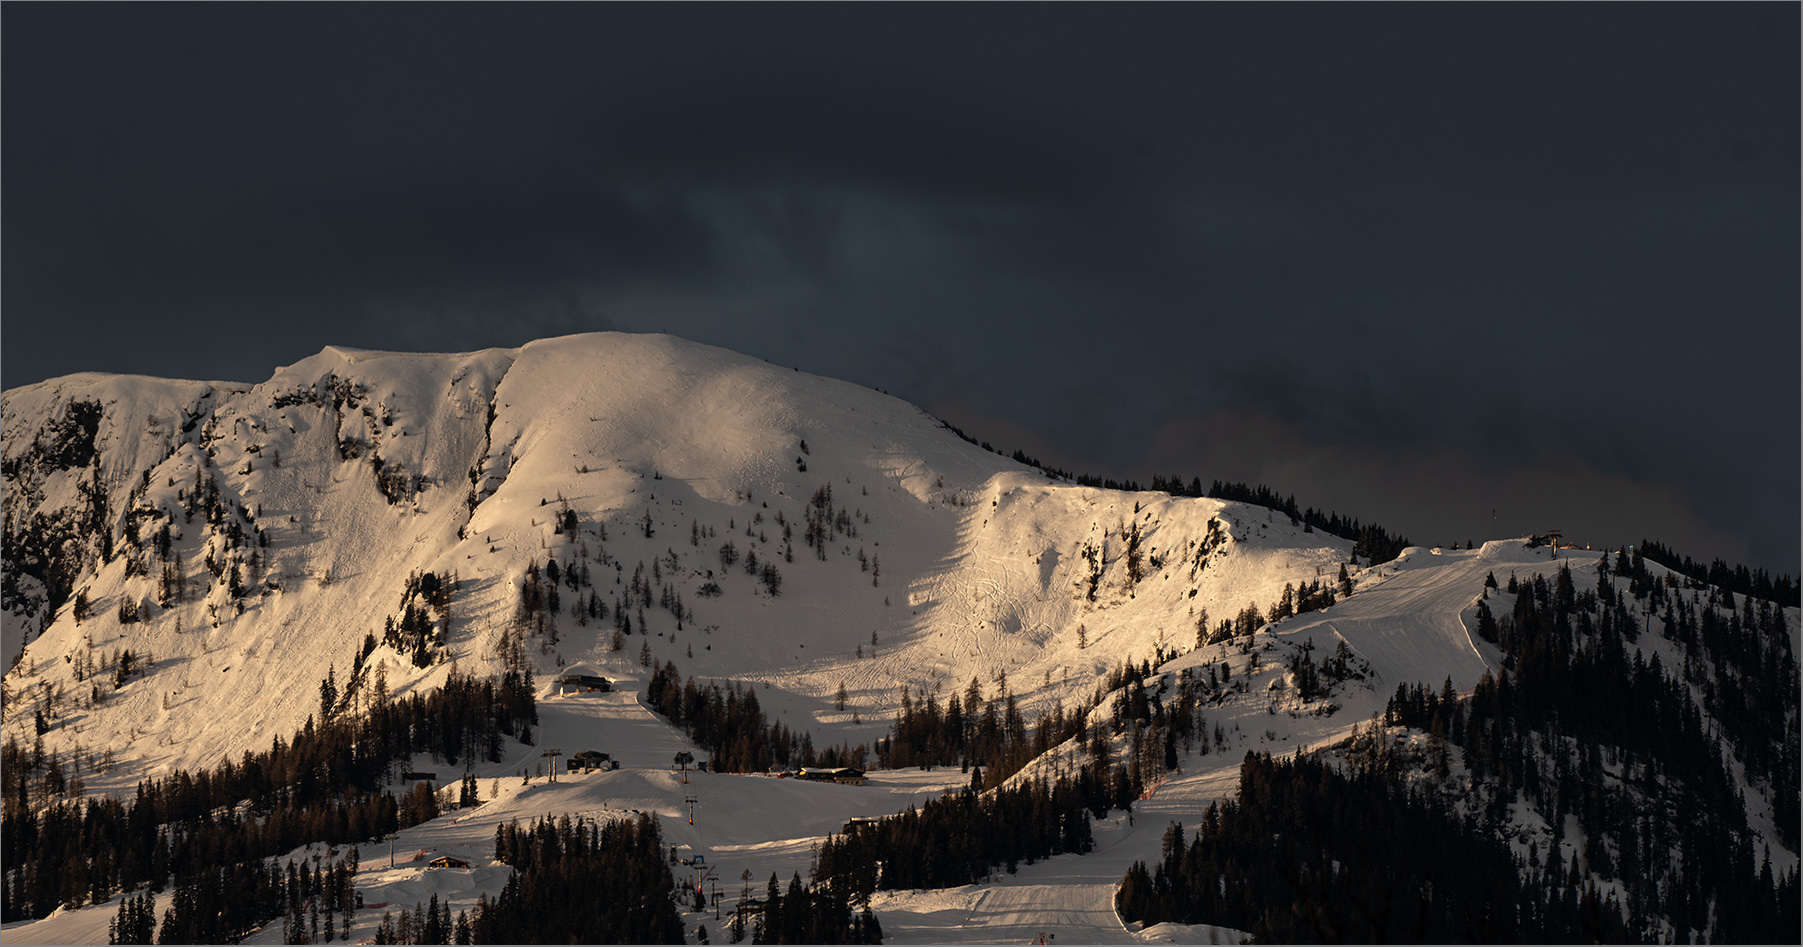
<point x="244" y="543"/>
<point x="351" y="471"/>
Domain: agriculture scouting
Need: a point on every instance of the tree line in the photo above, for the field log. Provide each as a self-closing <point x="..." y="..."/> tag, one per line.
<point x="223" y="904"/>
<point x="327" y="784"/>
<point x="959" y="838"/>
<point x="1782" y="589"/>
<point x="998" y="740"/>
<point x="1371" y="542"/>
<point x="728" y="722"/>
<point x="580" y="882"/>
<point x="804" y="914"/>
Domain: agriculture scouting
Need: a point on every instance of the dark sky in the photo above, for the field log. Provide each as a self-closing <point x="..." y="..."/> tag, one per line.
<point x="1413" y="263"/>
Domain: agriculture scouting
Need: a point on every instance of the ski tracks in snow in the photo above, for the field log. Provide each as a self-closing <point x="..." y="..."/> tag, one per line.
<point x="1410" y="627"/>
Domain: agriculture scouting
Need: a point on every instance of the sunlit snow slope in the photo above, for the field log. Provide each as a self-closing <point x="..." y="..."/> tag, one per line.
<point x="326" y="487"/>
<point x="362" y="468"/>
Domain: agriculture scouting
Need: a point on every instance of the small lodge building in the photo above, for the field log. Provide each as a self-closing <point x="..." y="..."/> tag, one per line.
<point x="447" y="861"/>
<point x="843" y="775"/>
<point x="586" y="761"/>
<point x="583" y="684"/>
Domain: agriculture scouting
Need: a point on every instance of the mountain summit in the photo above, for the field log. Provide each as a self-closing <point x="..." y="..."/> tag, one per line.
<point x="245" y="540"/>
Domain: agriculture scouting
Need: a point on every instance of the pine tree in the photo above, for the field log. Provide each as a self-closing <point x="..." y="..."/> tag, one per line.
<point x="328" y="695"/>
<point x="1486" y="623"/>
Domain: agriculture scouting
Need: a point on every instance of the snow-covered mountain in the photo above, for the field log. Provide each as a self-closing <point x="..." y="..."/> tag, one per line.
<point x="247" y="544"/>
<point x="326" y="487"/>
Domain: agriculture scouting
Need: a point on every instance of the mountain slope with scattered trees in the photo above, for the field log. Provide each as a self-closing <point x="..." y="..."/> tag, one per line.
<point x="375" y="568"/>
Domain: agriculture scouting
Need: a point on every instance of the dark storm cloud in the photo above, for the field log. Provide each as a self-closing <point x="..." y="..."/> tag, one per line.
<point x="1524" y="240"/>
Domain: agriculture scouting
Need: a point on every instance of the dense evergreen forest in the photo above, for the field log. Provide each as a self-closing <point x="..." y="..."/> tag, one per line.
<point x="803" y="914"/>
<point x="729" y="724"/>
<point x="225" y="903"/>
<point x="1308" y="854"/>
<point x="578" y="882"/>
<point x="582" y="883"/>
<point x="991" y="733"/>
<point x="1580" y="727"/>
<point x="959" y="838"/>
<point x="213" y="829"/>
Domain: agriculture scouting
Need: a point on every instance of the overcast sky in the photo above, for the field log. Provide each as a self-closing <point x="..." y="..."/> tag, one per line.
<point x="1413" y="263"/>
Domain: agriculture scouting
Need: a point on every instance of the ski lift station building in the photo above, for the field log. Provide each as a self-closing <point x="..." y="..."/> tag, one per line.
<point x="588" y="761"/>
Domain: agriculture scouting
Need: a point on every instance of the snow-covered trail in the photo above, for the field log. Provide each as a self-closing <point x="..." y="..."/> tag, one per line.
<point x="1014" y="913"/>
<point x="1070" y="898"/>
<point x="1412" y="622"/>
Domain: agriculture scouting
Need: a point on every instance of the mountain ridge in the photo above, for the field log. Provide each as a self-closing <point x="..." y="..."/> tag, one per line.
<point x="333" y="455"/>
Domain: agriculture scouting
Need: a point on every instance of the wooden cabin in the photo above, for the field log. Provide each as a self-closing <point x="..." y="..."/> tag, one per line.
<point x="843" y="775"/>
<point x="583" y="684"/>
